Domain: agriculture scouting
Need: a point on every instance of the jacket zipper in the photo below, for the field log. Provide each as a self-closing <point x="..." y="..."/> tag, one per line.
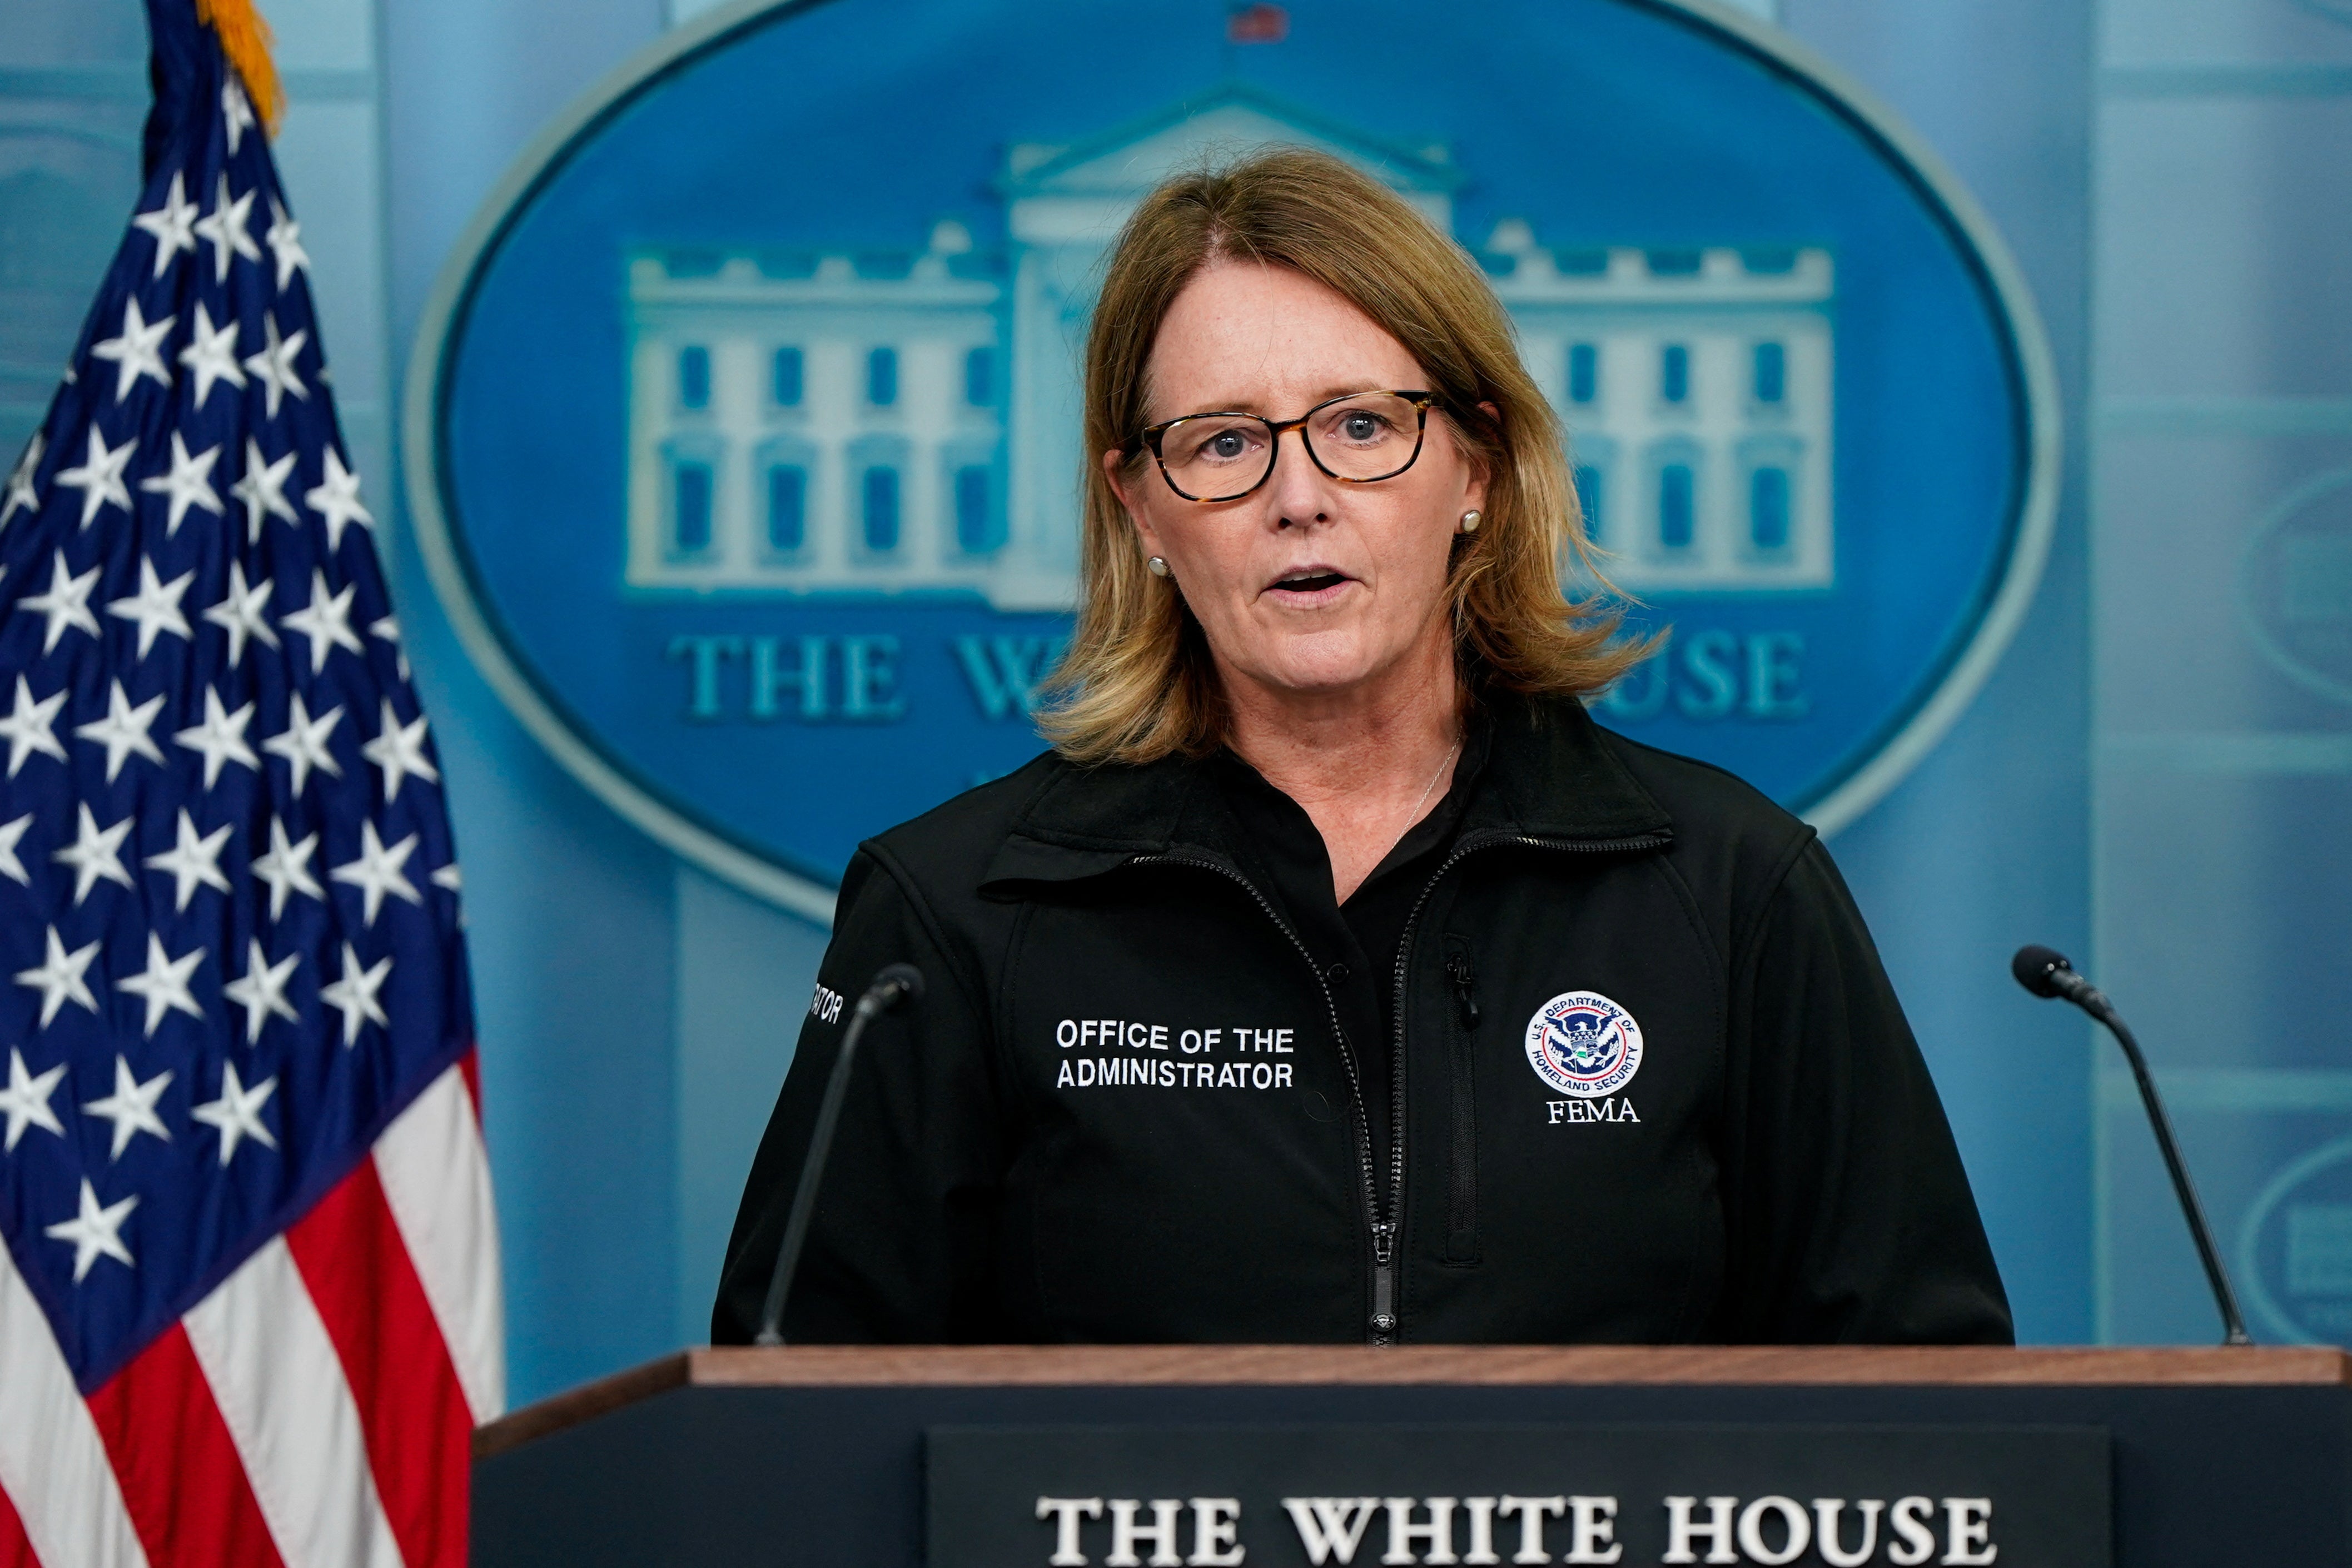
<point x="1383" y="1219"/>
<point x="1457" y="969"/>
<point x="1383" y="1231"/>
<point x="1462" y="1205"/>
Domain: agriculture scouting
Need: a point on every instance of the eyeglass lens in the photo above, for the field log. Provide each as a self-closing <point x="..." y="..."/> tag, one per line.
<point x="1220" y="456"/>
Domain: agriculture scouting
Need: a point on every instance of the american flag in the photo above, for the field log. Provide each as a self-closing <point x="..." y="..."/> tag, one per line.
<point x="249" y="1307"/>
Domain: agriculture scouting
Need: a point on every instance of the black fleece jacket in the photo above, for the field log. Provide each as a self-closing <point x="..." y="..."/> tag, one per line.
<point x="1652" y="1082"/>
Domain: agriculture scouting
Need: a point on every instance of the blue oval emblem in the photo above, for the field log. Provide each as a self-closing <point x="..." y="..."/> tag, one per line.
<point x="2294" y="1250"/>
<point x="2295" y="586"/>
<point x="743" y="431"/>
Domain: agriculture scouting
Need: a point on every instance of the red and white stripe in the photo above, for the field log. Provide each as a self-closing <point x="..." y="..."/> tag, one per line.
<point x="315" y="1411"/>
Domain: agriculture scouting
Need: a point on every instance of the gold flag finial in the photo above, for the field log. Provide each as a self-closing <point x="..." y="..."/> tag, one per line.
<point x="245" y="39"/>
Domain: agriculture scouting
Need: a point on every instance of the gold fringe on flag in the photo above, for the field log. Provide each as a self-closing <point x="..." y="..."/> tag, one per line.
<point x="245" y="39"/>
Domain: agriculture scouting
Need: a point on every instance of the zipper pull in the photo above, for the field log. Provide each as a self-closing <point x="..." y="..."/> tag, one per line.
<point x="1457" y="969"/>
<point x="1384" y="1321"/>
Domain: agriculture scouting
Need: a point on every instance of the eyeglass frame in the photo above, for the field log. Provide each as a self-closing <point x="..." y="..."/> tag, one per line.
<point x="1151" y="435"/>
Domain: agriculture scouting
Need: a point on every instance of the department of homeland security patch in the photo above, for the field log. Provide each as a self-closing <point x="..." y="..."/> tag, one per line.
<point x="1582" y="1043"/>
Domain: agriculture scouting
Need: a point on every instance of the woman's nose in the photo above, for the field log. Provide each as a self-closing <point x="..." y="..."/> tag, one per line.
<point x="1297" y="487"/>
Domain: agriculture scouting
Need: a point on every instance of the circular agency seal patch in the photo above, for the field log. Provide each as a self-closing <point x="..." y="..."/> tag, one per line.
<point x="743" y="428"/>
<point x="1583" y="1044"/>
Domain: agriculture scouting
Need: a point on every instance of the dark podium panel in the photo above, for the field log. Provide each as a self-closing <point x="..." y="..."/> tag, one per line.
<point x="2205" y="1459"/>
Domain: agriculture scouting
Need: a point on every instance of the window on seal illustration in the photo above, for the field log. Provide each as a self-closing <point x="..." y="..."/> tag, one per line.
<point x="967" y="472"/>
<point x="1674" y="373"/>
<point x="1767" y="510"/>
<point x="976" y="530"/>
<point x="1583" y="372"/>
<point x="1674" y="473"/>
<point x="787" y="508"/>
<point x="882" y="377"/>
<point x="1590" y="494"/>
<point x="694" y="377"/>
<point x="1771" y="384"/>
<point x="689" y="499"/>
<point x="690" y="513"/>
<point x="878" y="492"/>
<point x="1594" y="457"/>
<point x="979" y="377"/>
<point x="784" y="378"/>
<point x="1771" y="465"/>
<point x="875" y="473"/>
<point x="782" y="471"/>
<point x="1677" y="508"/>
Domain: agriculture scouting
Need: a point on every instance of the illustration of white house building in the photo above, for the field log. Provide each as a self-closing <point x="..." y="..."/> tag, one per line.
<point x="890" y="423"/>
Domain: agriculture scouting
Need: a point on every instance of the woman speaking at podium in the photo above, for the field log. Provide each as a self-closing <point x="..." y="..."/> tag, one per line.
<point x="1335" y="978"/>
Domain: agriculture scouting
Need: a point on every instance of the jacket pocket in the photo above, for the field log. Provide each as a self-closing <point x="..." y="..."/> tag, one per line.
<point x="1462" y="1061"/>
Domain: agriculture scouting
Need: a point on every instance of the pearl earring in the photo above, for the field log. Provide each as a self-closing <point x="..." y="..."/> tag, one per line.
<point x="1470" y="521"/>
<point x="1158" y="565"/>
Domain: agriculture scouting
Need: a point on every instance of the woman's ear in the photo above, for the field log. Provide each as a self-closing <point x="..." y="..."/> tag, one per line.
<point x="1114" y="464"/>
<point x="1479" y="477"/>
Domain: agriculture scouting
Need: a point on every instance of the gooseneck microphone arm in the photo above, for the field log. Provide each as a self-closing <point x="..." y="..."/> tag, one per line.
<point x="897" y="983"/>
<point x="2046" y="973"/>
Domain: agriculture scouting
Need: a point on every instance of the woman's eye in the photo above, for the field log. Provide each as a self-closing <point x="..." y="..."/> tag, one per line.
<point x="1362" y="427"/>
<point x="1228" y="444"/>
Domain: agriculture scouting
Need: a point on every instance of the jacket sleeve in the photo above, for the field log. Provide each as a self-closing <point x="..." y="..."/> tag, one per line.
<point x="901" y="1245"/>
<point x="1849" y="1216"/>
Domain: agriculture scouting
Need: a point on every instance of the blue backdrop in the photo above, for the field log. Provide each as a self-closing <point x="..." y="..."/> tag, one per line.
<point x="1983" y="847"/>
<point x="637" y="1014"/>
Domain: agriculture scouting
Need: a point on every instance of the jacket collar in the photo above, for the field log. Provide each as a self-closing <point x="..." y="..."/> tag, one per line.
<point x="1550" y="775"/>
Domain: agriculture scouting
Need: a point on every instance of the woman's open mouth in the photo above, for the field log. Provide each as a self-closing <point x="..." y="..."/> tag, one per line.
<point x="1309" y="583"/>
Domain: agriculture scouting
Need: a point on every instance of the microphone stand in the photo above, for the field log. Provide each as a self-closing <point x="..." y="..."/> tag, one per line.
<point x="2233" y="1326"/>
<point x="896" y="983"/>
<point x="2047" y="973"/>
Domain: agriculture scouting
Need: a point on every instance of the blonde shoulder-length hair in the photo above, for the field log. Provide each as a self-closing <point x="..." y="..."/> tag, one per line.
<point x="1137" y="683"/>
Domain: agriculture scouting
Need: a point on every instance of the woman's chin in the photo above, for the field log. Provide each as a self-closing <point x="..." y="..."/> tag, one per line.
<point x="1322" y="666"/>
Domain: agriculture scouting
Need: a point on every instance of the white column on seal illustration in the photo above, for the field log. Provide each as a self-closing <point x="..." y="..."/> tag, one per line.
<point x="650" y="359"/>
<point x="829" y="395"/>
<point x="736" y="396"/>
<point x="1058" y="244"/>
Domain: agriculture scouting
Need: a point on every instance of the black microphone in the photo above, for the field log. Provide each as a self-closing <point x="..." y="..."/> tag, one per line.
<point x="895" y="984"/>
<point x="2045" y="972"/>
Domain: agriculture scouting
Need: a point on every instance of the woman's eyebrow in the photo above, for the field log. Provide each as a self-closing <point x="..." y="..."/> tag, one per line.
<point x="1257" y="406"/>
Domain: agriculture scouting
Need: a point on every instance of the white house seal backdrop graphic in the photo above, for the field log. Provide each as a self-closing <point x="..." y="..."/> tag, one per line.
<point x="745" y="432"/>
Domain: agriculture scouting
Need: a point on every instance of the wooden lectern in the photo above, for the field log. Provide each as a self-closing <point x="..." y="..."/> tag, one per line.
<point x="2209" y="1457"/>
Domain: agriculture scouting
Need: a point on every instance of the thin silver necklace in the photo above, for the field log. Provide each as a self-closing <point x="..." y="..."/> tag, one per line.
<point x="1434" y="778"/>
